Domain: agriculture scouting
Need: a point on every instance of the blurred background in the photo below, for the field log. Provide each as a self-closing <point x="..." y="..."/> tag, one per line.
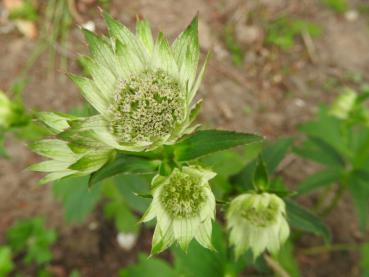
<point x="273" y="63"/>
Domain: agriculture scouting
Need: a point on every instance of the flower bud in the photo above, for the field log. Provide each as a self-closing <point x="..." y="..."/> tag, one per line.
<point x="257" y="222"/>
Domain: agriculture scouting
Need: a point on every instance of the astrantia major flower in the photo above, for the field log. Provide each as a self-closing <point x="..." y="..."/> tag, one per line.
<point x="184" y="207"/>
<point x="257" y="222"/>
<point x="142" y="91"/>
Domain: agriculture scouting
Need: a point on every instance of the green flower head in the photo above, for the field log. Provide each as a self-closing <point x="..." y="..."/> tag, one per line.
<point x="11" y="113"/>
<point x="184" y="207"/>
<point x="142" y="91"/>
<point x="257" y="222"/>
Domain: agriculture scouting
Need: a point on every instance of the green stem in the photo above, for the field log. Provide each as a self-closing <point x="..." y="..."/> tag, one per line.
<point x="336" y="199"/>
<point x="330" y="248"/>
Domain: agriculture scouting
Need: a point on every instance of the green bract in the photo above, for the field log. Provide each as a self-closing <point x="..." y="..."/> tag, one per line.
<point x="142" y="91"/>
<point x="11" y="113"/>
<point x="184" y="207"/>
<point x="257" y="222"/>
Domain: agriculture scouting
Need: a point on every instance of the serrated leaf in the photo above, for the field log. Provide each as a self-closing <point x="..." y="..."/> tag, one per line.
<point x="302" y="219"/>
<point x="205" y="142"/>
<point x="126" y="165"/>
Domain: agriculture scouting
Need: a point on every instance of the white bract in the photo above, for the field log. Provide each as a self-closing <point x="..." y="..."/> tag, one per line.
<point x="184" y="207"/>
<point x="257" y="222"/>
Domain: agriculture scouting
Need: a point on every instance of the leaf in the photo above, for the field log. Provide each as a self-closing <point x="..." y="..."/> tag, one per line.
<point x="260" y="181"/>
<point x="201" y="262"/>
<point x="209" y="141"/>
<point x="359" y="188"/>
<point x="77" y="199"/>
<point x="320" y="151"/>
<point x="152" y="267"/>
<point x="6" y="263"/>
<point x="364" y="260"/>
<point x="131" y="186"/>
<point x="272" y="155"/>
<point x="124" y="164"/>
<point x="275" y="153"/>
<point x="300" y="218"/>
<point x="320" y="179"/>
<point x="117" y="209"/>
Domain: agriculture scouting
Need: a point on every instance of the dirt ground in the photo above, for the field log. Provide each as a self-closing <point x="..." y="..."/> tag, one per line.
<point x="259" y="96"/>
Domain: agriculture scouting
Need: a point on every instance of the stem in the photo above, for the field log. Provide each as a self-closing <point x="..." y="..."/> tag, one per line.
<point x="336" y="199"/>
<point x="276" y="267"/>
<point x="330" y="248"/>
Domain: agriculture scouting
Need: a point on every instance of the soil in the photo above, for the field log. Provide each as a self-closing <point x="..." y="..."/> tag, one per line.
<point x="271" y="93"/>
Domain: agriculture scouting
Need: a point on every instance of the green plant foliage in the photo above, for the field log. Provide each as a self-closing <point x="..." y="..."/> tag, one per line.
<point x="302" y="219"/>
<point x="25" y="12"/>
<point x="234" y="48"/>
<point x="364" y="260"/>
<point x="6" y="262"/>
<point x="31" y="237"/>
<point x="117" y="209"/>
<point x="208" y="141"/>
<point x="272" y="155"/>
<point x="148" y="267"/>
<point x="338" y="6"/>
<point x="124" y="164"/>
<point x="283" y="31"/>
<point x="343" y="150"/>
<point x="78" y="200"/>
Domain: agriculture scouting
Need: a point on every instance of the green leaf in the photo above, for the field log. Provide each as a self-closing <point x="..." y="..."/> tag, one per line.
<point x="6" y="263"/>
<point x="117" y="209"/>
<point x="272" y="155"/>
<point x="209" y="141"/>
<point x="364" y="260"/>
<point x="302" y="219"/>
<point x="320" y="151"/>
<point x="32" y="238"/>
<point x="323" y="178"/>
<point x="359" y="188"/>
<point x="260" y="181"/>
<point x="152" y="267"/>
<point x="275" y="153"/>
<point x="131" y="186"/>
<point x="77" y="199"/>
<point x="201" y="262"/>
<point x="124" y="164"/>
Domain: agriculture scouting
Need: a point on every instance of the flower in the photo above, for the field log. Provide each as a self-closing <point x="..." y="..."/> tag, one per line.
<point x="141" y="90"/>
<point x="184" y="207"/>
<point x="257" y="222"/>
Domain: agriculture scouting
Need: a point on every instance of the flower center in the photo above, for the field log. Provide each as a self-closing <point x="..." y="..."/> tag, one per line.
<point x="147" y="107"/>
<point x="182" y="196"/>
<point x="260" y="214"/>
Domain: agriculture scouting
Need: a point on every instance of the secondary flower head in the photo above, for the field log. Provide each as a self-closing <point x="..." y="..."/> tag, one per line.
<point x="257" y="222"/>
<point x="184" y="207"/>
<point x="142" y="91"/>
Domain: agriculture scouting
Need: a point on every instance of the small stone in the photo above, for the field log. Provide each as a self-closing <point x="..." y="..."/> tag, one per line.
<point x="126" y="240"/>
